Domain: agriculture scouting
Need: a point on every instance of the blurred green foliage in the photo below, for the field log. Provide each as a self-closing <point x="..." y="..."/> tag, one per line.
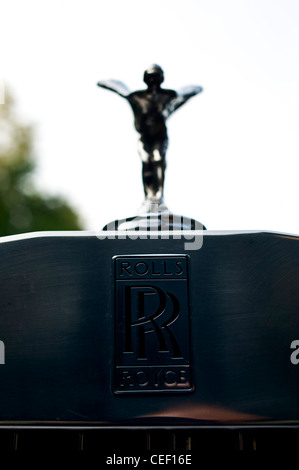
<point x="22" y="207"/>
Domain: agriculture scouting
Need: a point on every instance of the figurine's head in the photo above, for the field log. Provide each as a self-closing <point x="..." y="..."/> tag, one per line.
<point x="153" y="75"/>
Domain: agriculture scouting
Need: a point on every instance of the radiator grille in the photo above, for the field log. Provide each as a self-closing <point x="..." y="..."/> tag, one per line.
<point x="107" y="441"/>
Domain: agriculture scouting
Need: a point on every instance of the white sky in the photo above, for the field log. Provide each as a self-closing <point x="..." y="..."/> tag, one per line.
<point x="234" y="149"/>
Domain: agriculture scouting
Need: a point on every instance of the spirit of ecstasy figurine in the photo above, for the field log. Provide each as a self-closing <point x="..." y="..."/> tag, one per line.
<point x="151" y="108"/>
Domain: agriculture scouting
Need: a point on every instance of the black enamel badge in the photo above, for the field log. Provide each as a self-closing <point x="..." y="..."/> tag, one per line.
<point x="152" y="337"/>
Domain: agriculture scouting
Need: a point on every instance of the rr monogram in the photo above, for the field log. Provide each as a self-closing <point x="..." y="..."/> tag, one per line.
<point x="157" y="323"/>
<point x="152" y="340"/>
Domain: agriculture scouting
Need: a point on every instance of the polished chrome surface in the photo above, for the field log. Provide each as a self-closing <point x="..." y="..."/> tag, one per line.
<point x="151" y="108"/>
<point x="57" y="324"/>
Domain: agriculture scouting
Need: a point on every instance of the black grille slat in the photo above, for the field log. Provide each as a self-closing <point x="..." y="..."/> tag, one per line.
<point x="125" y="441"/>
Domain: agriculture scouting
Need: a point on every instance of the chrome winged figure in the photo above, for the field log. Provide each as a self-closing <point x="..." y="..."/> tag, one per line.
<point x="151" y="108"/>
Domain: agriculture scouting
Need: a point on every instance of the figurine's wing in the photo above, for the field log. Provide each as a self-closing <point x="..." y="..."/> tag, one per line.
<point x="114" y="85"/>
<point x="183" y="95"/>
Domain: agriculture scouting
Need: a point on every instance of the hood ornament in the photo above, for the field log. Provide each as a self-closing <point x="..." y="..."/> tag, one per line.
<point x="151" y="108"/>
